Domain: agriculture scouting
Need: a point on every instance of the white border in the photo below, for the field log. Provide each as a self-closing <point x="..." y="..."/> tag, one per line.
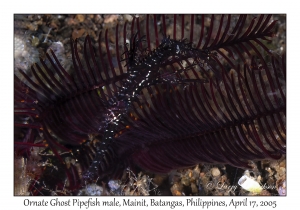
<point x="152" y="6"/>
